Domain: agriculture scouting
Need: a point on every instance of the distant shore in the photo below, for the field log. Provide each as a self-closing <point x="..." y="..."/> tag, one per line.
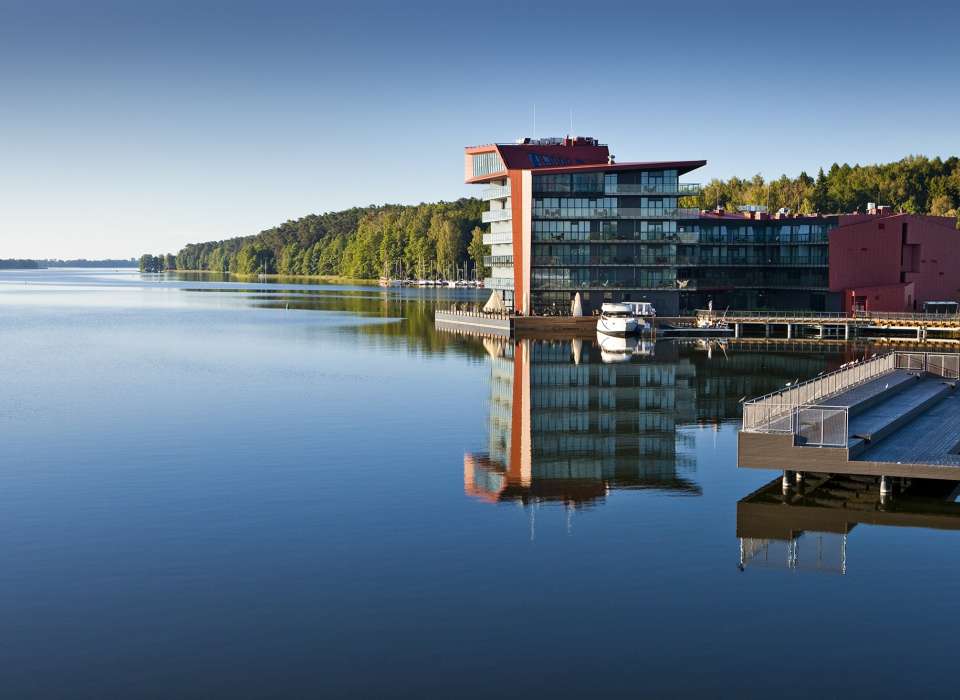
<point x="327" y="279"/>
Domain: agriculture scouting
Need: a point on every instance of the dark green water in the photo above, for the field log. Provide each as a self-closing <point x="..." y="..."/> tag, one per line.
<point x="216" y="489"/>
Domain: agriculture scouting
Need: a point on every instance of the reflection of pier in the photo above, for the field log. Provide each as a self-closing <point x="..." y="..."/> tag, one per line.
<point x="805" y="524"/>
<point x="565" y="426"/>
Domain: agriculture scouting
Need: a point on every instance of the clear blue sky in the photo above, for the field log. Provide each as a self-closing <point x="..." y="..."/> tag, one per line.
<point x="140" y="126"/>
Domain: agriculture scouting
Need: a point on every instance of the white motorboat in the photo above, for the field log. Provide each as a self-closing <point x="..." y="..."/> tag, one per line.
<point x="617" y="319"/>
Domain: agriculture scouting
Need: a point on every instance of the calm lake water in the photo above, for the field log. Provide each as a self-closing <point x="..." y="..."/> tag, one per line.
<point x="211" y="488"/>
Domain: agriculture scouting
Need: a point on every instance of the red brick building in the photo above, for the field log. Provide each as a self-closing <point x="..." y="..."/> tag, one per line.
<point x="882" y="261"/>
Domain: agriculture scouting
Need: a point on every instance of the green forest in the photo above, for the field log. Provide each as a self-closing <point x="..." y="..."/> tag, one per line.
<point x="424" y="240"/>
<point x="916" y="185"/>
<point x="445" y="239"/>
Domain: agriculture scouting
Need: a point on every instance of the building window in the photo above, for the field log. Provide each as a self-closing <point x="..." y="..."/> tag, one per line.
<point x="487" y="163"/>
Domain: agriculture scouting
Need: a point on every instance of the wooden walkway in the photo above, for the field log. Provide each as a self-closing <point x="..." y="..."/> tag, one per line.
<point x="931" y="438"/>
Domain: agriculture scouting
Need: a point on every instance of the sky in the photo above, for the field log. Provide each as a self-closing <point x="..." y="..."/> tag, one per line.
<point x="132" y="127"/>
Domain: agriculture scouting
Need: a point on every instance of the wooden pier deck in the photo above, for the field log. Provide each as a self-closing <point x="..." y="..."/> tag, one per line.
<point x="897" y="415"/>
<point x="770" y="325"/>
<point x="878" y="324"/>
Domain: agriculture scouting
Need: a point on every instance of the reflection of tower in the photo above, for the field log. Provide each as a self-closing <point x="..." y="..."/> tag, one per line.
<point x="806" y="525"/>
<point x="566" y="427"/>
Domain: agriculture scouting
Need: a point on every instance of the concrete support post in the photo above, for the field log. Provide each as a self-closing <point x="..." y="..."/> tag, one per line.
<point x="736" y="330"/>
<point x="789" y="331"/>
<point x="766" y="330"/>
<point x="798" y="477"/>
<point x="785" y="483"/>
<point x="886" y="486"/>
<point x="846" y="331"/>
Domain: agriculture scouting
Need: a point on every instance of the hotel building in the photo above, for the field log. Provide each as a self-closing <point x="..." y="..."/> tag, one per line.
<point x="565" y="218"/>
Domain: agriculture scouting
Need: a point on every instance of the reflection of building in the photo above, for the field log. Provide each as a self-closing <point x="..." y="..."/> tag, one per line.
<point x="805" y="525"/>
<point x="565" y="426"/>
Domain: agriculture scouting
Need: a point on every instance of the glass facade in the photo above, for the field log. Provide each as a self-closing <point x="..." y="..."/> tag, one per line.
<point x="776" y="264"/>
<point x="610" y="236"/>
<point x="486" y="163"/>
<point x="625" y="235"/>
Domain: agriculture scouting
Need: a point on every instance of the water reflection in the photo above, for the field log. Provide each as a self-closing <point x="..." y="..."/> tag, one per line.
<point x="572" y="420"/>
<point x="805" y="525"/>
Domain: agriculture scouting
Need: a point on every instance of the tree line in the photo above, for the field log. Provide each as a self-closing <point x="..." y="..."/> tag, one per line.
<point x="18" y="264"/>
<point x="915" y="185"/>
<point x="440" y="239"/>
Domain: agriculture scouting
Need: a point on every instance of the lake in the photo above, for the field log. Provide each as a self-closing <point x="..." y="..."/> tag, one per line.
<point x="215" y="488"/>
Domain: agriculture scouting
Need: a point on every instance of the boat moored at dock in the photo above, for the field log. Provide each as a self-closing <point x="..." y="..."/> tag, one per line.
<point x="617" y="319"/>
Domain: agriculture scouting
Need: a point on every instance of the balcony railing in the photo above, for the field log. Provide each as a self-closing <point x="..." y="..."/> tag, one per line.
<point x="497" y="283"/>
<point x="605" y="284"/>
<point x="748" y="261"/>
<point x="616" y="213"/>
<point x="491" y="260"/>
<point x="600" y="260"/>
<point x="683" y="189"/>
<point x="495" y="192"/>
<point x="496" y="215"/>
<point x="497" y="238"/>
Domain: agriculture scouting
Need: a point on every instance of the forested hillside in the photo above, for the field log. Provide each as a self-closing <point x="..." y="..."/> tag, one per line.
<point x="423" y="240"/>
<point x="915" y="184"/>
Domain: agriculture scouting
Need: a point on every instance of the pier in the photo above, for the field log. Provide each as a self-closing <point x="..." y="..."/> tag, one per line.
<point x="896" y="415"/>
<point x="768" y="325"/>
<point x="794" y="324"/>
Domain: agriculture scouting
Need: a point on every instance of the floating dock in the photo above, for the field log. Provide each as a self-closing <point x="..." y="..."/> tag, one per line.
<point x="895" y="415"/>
<point x="768" y="325"/>
<point x="874" y="324"/>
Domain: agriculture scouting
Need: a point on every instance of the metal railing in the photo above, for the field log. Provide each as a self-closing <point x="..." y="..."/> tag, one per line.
<point x="895" y="316"/>
<point x="765" y="413"/>
<point x="857" y="315"/>
<point x="497" y="238"/>
<point x="495" y="192"/>
<point x="683" y="189"/>
<point x="615" y="213"/>
<point x="795" y="410"/>
<point x="946" y="365"/>
<point x="496" y="215"/>
<point x="776" y="315"/>
<point x="497" y="283"/>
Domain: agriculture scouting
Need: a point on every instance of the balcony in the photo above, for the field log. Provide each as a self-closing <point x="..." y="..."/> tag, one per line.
<point x="750" y="261"/>
<point x="618" y="213"/>
<point x="497" y="260"/>
<point x="497" y="283"/>
<point x="496" y="215"/>
<point x="604" y="261"/>
<point x="683" y="189"/>
<point x="600" y="284"/>
<point x="497" y="238"/>
<point x="496" y="192"/>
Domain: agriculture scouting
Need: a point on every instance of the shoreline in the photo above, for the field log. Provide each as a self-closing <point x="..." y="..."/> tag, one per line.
<point x="329" y="279"/>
